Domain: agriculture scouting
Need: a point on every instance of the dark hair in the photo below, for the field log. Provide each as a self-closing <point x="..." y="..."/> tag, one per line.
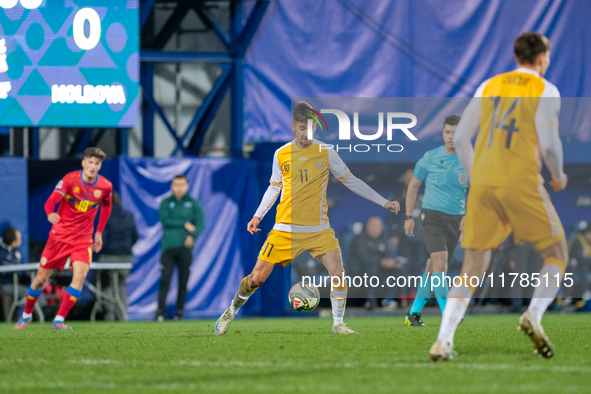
<point x="94" y="152"/>
<point x="9" y="235"/>
<point x="180" y="176"/>
<point x="302" y="112"/>
<point x="451" y="120"/>
<point x="529" y="45"/>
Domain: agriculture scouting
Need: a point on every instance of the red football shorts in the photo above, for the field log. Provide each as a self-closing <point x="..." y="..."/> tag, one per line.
<point x="55" y="254"/>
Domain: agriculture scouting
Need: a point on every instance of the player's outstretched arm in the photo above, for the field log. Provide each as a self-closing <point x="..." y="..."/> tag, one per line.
<point x="560" y="183"/>
<point x="393" y="206"/>
<point x="253" y="225"/>
<point x="267" y="202"/>
<point x="98" y="242"/>
<point x="361" y="188"/>
<point x="270" y="196"/>
<point x="104" y="217"/>
<point x="50" y="204"/>
<point x="340" y="170"/>
<point x="53" y="218"/>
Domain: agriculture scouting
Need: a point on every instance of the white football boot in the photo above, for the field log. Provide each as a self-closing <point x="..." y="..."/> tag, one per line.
<point x="535" y="331"/>
<point x="342" y="329"/>
<point x="441" y="352"/>
<point x="223" y="323"/>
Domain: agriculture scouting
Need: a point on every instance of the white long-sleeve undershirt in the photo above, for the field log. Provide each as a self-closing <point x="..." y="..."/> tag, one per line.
<point x="268" y="200"/>
<point x="546" y="120"/>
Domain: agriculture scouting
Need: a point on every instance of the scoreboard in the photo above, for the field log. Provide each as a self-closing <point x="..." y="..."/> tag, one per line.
<point x="69" y="63"/>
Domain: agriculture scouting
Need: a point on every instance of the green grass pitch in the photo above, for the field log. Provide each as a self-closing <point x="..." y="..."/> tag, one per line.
<point x="294" y="355"/>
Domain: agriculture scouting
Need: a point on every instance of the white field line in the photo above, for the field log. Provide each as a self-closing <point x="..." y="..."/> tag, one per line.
<point x="386" y="387"/>
<point x="263" y="364"/>
<point x="351" y="365"/>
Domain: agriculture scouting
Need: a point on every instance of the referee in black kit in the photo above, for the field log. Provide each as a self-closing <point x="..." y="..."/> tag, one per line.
<point x="442" y="216"/>
<point x="182" y="221"/>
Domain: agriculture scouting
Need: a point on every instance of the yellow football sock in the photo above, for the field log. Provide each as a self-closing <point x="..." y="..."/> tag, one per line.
<point x="242" y="295"/>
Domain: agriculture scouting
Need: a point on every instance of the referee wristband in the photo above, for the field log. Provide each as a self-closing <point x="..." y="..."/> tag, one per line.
<point x="408" y="217"/>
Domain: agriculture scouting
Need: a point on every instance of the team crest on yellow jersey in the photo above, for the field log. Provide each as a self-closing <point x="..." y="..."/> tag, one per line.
<point x="320" y="165"/>
<point x="286" y="168"/>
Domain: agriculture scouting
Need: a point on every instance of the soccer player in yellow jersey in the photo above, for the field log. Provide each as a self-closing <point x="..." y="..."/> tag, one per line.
<point x="517" y="114"/>
<point x="300" y="174"/>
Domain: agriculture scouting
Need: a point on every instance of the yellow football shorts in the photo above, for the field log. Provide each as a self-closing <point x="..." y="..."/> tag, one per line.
<point x="493" y="213"/>
<point x="282" y="247"/>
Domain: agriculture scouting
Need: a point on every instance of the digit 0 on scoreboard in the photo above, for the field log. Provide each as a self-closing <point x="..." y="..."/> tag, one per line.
<point x="94" y="21"/>
<point x="69" y="64"/>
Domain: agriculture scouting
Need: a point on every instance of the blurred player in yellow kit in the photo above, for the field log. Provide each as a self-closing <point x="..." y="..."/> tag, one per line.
<point x="517" y="114"/>
<point x="300" y="174"/>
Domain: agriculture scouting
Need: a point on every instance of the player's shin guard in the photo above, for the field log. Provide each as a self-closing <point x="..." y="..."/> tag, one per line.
<point x="544" y="295"/>
<point x="423" y="294"/>
<point x="68" y="303"/>
<point x="457" y="303"/>
<point x="440" y="290"/>
<point x="32" y="297"/>
<point x="242" y="295"/>
<point x="338" y="301"/>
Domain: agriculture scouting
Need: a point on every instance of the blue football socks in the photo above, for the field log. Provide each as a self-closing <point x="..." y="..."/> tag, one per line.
<point x="440" y="290"/>
<point x="423" y="295"/>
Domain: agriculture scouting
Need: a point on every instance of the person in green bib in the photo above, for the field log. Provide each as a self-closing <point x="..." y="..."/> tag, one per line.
<point x="182" y="221"/>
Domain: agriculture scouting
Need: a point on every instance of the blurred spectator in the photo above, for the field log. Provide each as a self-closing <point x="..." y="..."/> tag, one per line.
<point x="580" y="261"/>
<point x="346" y="239"/>
<point x="393" y="265"/>
<point x="182" y="221"/>
<point x="9" y="246"/>
<point x="367" y="254"/>
<point x="118" y="237"/>
<point x="10" y="254"/>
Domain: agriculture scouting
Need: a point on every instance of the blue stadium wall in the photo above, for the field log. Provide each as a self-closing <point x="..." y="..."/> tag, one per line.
<point x="14" y="199"/>
<point x="404" y="48"/>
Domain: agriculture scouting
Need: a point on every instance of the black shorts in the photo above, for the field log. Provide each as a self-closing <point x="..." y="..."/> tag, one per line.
<point x="440" y="231"/>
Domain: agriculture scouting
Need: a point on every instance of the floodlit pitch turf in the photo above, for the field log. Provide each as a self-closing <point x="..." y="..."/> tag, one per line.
<point x="293" y="355"/>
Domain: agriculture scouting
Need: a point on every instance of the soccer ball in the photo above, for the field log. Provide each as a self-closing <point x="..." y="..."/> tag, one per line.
<point x="304" y="298"/>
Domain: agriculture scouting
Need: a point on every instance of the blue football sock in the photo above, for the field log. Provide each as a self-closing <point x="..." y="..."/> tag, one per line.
<point x="423" y="295"/>
<point x="34" y="293"/>
<point x="441" y="290"/>
<point x="74" y="292"/>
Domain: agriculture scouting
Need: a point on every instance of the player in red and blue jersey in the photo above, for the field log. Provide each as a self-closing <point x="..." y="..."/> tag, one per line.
<point x="79" y="195"/>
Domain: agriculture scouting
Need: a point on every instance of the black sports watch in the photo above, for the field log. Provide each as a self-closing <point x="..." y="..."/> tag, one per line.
<point x="408" y="217"/>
